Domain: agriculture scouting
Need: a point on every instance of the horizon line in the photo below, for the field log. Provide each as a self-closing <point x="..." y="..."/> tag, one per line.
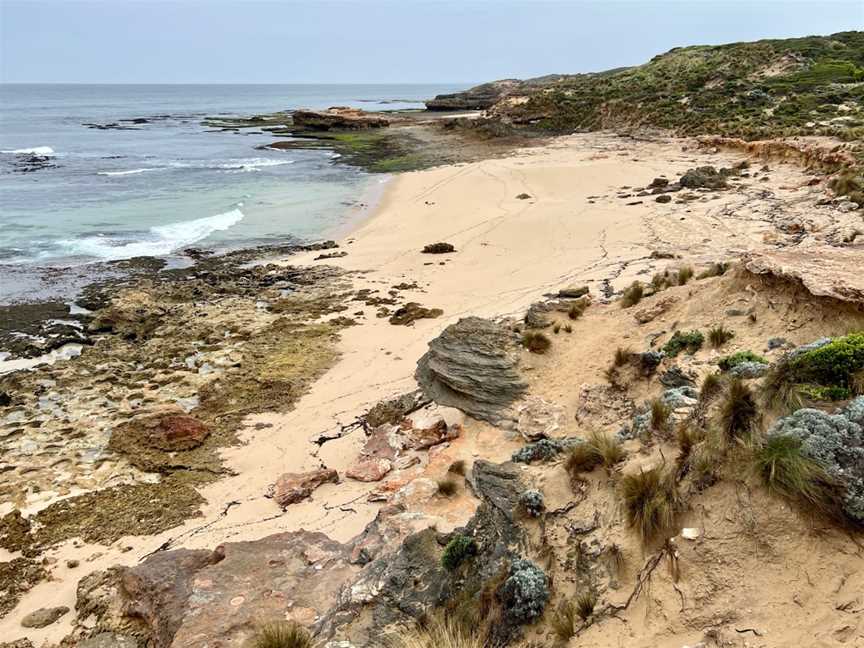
<point x="179" y="83"/>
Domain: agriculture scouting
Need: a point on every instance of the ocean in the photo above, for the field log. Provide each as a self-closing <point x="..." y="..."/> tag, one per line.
<point x="159" y="186"/>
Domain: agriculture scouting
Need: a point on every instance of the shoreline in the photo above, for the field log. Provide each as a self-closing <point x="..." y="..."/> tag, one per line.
<point x="573" y="227"/>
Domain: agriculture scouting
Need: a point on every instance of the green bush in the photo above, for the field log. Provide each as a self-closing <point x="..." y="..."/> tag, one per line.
<point x="832" y="365"/>
<point x="457" y="550"/>
<point x="690" y="341"/>
<point x="739" y="357"/>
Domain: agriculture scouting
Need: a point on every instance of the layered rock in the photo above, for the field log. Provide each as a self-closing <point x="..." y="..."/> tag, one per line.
<point x="338" y="118"/>
<point x="473" y="366"/>
<point x="824" y="271"/>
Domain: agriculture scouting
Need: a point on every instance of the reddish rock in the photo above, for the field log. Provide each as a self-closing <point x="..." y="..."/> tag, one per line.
<point x="369" y="470"/>
<point x="291" y="488"/>
<point x="180" y="432"/>
<point x="425" y="438"/>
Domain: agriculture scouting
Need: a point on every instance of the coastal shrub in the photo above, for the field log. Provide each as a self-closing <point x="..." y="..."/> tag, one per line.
<point x="728" y="362"/>
<point x="833" y="441"/>
<point x="685" y="274"/>
<point x="531" y="503"/>
<point x="738" y="410"/>
<point x="568" y="328"/>
<point x="712" y="384"/>
<point x="536" y="342"/>
<point x="543" y="450"/>
<point x="832" y="364"/>
<point x="440" y="632"/>
<point x="438" y="248"/>
<point x="691" y="341"/>
<point x="661" y="281"/>
<point x="282" y="634"/>
<point x="585" y="604"/>
<point x="787" y="471"/>
<point x="457" y="550"/>
<point x="447" y="487"/>
<point x="848" y="184"/>
<point x="525" y="592"/>
<point x="651" y="500"/>
<point x="581" y="458"/>
<point x="556" y="329"/>
<point x="719" y="335"/>
<point x="826" y="369"/>
<point x="632" y="295"/>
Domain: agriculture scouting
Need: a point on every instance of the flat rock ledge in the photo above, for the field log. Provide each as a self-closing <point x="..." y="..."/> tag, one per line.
<point x="824" y="271"/>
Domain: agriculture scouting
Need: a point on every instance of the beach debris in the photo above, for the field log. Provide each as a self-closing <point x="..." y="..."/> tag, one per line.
<point x="523" y="196"/>
<point x="291" y="488"/>
<point x="439" y="248"/>
<point x="690" y="533"/>
<point x="472" y="366"/>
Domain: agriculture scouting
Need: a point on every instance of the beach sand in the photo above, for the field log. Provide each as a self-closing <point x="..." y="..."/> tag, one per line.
<point x="573" y="229"/>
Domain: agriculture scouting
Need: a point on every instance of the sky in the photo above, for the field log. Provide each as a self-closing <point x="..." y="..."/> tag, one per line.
<point x="376" y="41"/>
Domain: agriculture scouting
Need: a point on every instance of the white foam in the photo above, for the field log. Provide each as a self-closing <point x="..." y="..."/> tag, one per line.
<point x="36" y="150"/>
<point x="123" y="173"/>
<point x="160" y="240"/>
<point x="245" y="164"/>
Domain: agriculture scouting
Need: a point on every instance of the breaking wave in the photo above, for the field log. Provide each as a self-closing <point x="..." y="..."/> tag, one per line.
<point x="36" y="150"/>
<point x="159" y="241"/>
<point x="123" y="173"/>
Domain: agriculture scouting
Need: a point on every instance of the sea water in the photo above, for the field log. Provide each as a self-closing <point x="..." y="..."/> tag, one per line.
<point x="169" y="183"/>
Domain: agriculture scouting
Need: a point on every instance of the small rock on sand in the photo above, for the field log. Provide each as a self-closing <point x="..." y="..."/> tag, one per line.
<point x="43" y="617"/>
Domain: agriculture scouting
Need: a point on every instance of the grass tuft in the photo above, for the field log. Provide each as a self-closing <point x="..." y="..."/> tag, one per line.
<point x="599" y="449"/>
<point x="719" y="335"/>
<point x="457" y="467"/>
<point x="536" y="342"/>
<point x="439" y="632"/>
<point x="565" y="620"/>
<point x="447" y="487"/>
<point x="282" y="634"/>
<point x="712" y="385"/>
<point x="786" y="471"/>
<point x="585" y="603"/>
<point x="738" y="410"/>
<point x="685" y="274"/>
<point x="715" y="270"/>
<point x="650" y="502"/>
<point x="623" y="355"/>
<point x="660" y="415"/>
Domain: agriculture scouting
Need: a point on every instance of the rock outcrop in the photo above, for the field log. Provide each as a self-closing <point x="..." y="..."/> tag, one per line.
<point x="338" y="118"/>
<point x="477" y="98"/>
<point x="824" y="271"/>
<point x="473" y="366"/>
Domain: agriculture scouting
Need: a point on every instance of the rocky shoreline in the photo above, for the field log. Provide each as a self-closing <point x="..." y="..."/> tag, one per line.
<point x="241" y="440"/>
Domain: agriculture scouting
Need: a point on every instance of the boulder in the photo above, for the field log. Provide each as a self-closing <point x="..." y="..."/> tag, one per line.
<point x="473" y="366"/>
<point x="109" y="640"/>
<point x="655" y="309"/>
<point x="291" y="488"/>
<point x="572" y="292"/>
<point x="133" y="314"/>
<point x="43" y="617"/>
<point x="170" y="430"/>
<point x="338" y="118"/>
<point x="539" y="419"/>
<point x="369" y="470"/>
<point x="704" y="176"/>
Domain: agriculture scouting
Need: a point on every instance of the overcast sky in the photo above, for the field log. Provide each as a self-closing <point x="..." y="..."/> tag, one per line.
<point x="368" y="41"/>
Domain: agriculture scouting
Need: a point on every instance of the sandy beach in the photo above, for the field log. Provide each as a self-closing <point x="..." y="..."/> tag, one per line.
<point x="578" y="225"/>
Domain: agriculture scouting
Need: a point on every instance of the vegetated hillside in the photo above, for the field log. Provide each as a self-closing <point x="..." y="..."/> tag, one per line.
<point x="770" y="88"/>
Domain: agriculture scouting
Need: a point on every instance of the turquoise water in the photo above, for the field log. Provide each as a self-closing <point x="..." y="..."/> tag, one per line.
<point x="166" y="184"/>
